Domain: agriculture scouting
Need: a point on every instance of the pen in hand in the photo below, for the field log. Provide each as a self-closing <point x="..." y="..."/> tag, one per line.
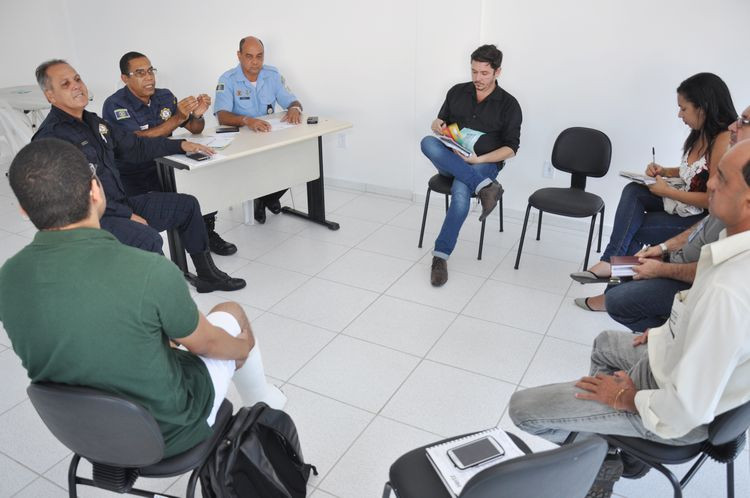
<point x="653" y="155"/>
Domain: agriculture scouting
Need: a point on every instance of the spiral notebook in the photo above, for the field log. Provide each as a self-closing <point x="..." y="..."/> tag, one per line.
<point x="454" y="478"/>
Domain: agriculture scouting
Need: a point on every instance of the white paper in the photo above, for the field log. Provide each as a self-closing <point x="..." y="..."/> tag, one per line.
<point x="213" y="141"/>
<point x="277" y="123"/>
<point x="454" y="478"/>
<point x="183" y="159"/>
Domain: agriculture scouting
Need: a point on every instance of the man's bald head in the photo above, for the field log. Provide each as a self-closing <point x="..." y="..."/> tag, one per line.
<point x="729" y="189"/>
<point x="251" y="56"/>
<point x="251" y="39"/>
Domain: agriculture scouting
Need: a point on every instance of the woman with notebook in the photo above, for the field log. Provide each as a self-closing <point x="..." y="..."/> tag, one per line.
<point x="651" y="214"/>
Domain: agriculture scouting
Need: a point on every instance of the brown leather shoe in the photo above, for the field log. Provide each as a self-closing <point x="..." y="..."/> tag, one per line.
<point x="439" y="274"/>
<point x="489" y="196"/>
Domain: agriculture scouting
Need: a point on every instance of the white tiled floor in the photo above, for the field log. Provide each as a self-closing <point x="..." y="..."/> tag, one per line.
<point x="373" y="359"/>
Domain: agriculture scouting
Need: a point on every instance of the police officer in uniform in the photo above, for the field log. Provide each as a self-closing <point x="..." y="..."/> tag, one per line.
<point x="134" y="220"/>
<point x="249" y="91"/>
<point x="147" y="111"/>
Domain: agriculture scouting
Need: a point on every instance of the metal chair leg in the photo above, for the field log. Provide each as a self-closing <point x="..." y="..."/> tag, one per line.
<point x="192" y="482"/>
<point x="424" y="217"/>
<point x="601" y="224"/>
<point x="730" y="479"/>
<point x="523" y="234"/>
<point x="387" y="490"/>
<point x="446" y="203"/>
<point x="481" y="241"/>
<point x="588" y="244"/>
<point x="539" y="225"/>
<point x="500" y="212"/>
<point x="72" y="481"/>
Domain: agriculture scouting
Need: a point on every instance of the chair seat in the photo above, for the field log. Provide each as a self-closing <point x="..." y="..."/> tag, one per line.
<point x="442" y="184"/>
<point x="414" y="476"/>
<point x="571" y="202"/>
<point x="192" y="458"/>
<point x="652" y="451"/>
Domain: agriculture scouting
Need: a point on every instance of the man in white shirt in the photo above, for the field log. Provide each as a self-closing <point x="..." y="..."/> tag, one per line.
<point x="669" y="387"/>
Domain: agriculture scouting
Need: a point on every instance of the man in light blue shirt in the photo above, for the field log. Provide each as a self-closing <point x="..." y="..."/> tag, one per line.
<point x="250" y="91"/>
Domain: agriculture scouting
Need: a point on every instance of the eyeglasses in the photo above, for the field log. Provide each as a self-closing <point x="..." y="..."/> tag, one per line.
<point x="742" y="121"/>
<point x="141" y="73"/>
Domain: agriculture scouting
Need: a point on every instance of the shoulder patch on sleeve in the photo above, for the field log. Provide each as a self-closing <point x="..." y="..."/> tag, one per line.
<point x="121" y="114"/>
<point x="220" y="87"/>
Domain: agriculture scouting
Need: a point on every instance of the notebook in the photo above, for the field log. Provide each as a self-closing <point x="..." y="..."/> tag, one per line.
<point x="454" y="478"/>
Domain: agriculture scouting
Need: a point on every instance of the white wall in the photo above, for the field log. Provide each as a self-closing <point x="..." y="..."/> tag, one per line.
<point x="385" y="66"/>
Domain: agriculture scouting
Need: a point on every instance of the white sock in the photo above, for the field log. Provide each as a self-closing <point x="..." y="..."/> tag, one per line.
<point x="251" y="383"/>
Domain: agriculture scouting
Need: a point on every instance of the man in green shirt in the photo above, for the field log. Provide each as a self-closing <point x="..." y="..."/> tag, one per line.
<point x="81" y="308"/>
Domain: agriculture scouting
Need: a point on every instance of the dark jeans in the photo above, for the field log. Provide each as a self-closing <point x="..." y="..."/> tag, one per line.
<point x="642" y="304"/>
<point x="640" y="219"/>
<point x="162" y="211"/>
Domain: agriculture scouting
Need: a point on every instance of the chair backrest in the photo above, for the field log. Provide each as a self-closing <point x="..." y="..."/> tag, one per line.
<point x="729" y="425"/>
<point x="100" y="427"/>
<point x="582" y="152"/>
<point x="564" y="472"/>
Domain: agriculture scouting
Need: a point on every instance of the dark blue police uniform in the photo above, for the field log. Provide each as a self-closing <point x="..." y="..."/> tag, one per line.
<point x="102" y="144"/>
<point x="125" y="110"/>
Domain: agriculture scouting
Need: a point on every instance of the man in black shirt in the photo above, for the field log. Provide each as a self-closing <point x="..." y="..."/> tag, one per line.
<point x="489" y="120"/>
<point x="133" y="220"/>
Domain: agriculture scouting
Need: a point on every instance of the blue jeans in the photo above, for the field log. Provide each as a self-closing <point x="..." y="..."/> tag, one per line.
<point x="553" y="411"/>
<point x="468" y="179"/>
<point x="640" y="219"/>
<point x="642" y="304"/>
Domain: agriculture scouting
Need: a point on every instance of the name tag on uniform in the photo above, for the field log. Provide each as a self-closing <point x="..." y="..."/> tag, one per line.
<point x="144" y="127"/>
<point x="244" y="98"/>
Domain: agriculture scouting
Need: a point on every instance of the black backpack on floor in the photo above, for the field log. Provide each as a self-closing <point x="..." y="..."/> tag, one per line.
<point x="259" y="456"/>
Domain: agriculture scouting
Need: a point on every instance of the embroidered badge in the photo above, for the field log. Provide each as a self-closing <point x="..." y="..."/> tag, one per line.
<point x="165" y="114"/>
<point x="220" y="87"/>
<point x="121" y="114"/>
<point x="103" y="131"/>
<point x="239" y="92"/>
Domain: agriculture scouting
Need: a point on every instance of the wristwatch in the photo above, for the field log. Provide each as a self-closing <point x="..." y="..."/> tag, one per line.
<point x="663" y="247"/>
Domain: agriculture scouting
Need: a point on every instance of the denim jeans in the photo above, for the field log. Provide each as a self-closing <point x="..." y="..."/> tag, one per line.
<point x="468" y="179"/>
<point x="640" y="219"/>
<point x="553" y="412"/>
<point x="642" y="304"/>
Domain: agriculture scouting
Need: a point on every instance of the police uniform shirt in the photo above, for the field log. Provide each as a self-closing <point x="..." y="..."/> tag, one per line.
<point x="101" y="144"/>
<point x="235" y="93"/>
<point x="498" y="116"/>
<point x="125" y="110"/>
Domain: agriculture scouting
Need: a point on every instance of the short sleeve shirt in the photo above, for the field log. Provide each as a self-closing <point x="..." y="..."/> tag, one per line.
<point x="82" y="309"/>
<point x="235" y="93"/>
<point x="124" y="110"/>
<point x="498" y="116"/>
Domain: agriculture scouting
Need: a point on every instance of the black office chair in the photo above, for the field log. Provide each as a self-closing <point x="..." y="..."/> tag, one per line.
<point x="120" y="438"/>
<point x="582" y="152"/>
<point x="726" y="438"/>
<point x="442" y="185"/>
<point x="565" y="472"/>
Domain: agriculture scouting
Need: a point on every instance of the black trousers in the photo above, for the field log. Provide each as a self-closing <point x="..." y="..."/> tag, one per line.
<point x="162" y="211"/>
<point x="267" y="199"/>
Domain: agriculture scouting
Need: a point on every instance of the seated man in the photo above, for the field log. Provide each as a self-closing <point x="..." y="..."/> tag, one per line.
<point x="666" y="269"/>
<point x="493" y="117"/>
<point x="693" y="368"/>
<point x="250" y="91"/>
<point x="141" y="108"/>
<point x="134" y="220"/>
<point x="80" y="308"/>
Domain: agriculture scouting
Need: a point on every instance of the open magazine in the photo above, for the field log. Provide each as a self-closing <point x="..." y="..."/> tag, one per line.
<point x="462" y="141"/>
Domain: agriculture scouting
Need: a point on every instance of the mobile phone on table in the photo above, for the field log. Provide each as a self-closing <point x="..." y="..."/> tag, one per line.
<point x="198" y="156"/>
<point x="227" y="129"/>
<point x="312" y="120"/>
<point x="476" y="452"/>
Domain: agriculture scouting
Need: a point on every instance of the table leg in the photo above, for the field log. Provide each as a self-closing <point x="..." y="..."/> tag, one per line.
<point x="316" y="204"/>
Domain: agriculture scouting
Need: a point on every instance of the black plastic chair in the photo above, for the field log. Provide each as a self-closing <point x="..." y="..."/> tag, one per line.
<point x="565" y="472"/>
<point x="120" y="438"/>
<point x="442" y="185"/>
<point x="726" y="438"/>
<point x="582" y="152"/>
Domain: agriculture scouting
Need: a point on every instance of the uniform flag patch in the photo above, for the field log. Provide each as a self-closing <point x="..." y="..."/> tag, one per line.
<point x="220" y="87"/>
<point x="121" y="114"/>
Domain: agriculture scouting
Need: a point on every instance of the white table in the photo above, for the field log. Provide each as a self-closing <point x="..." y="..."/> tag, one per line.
<point x="254" y="165"/>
